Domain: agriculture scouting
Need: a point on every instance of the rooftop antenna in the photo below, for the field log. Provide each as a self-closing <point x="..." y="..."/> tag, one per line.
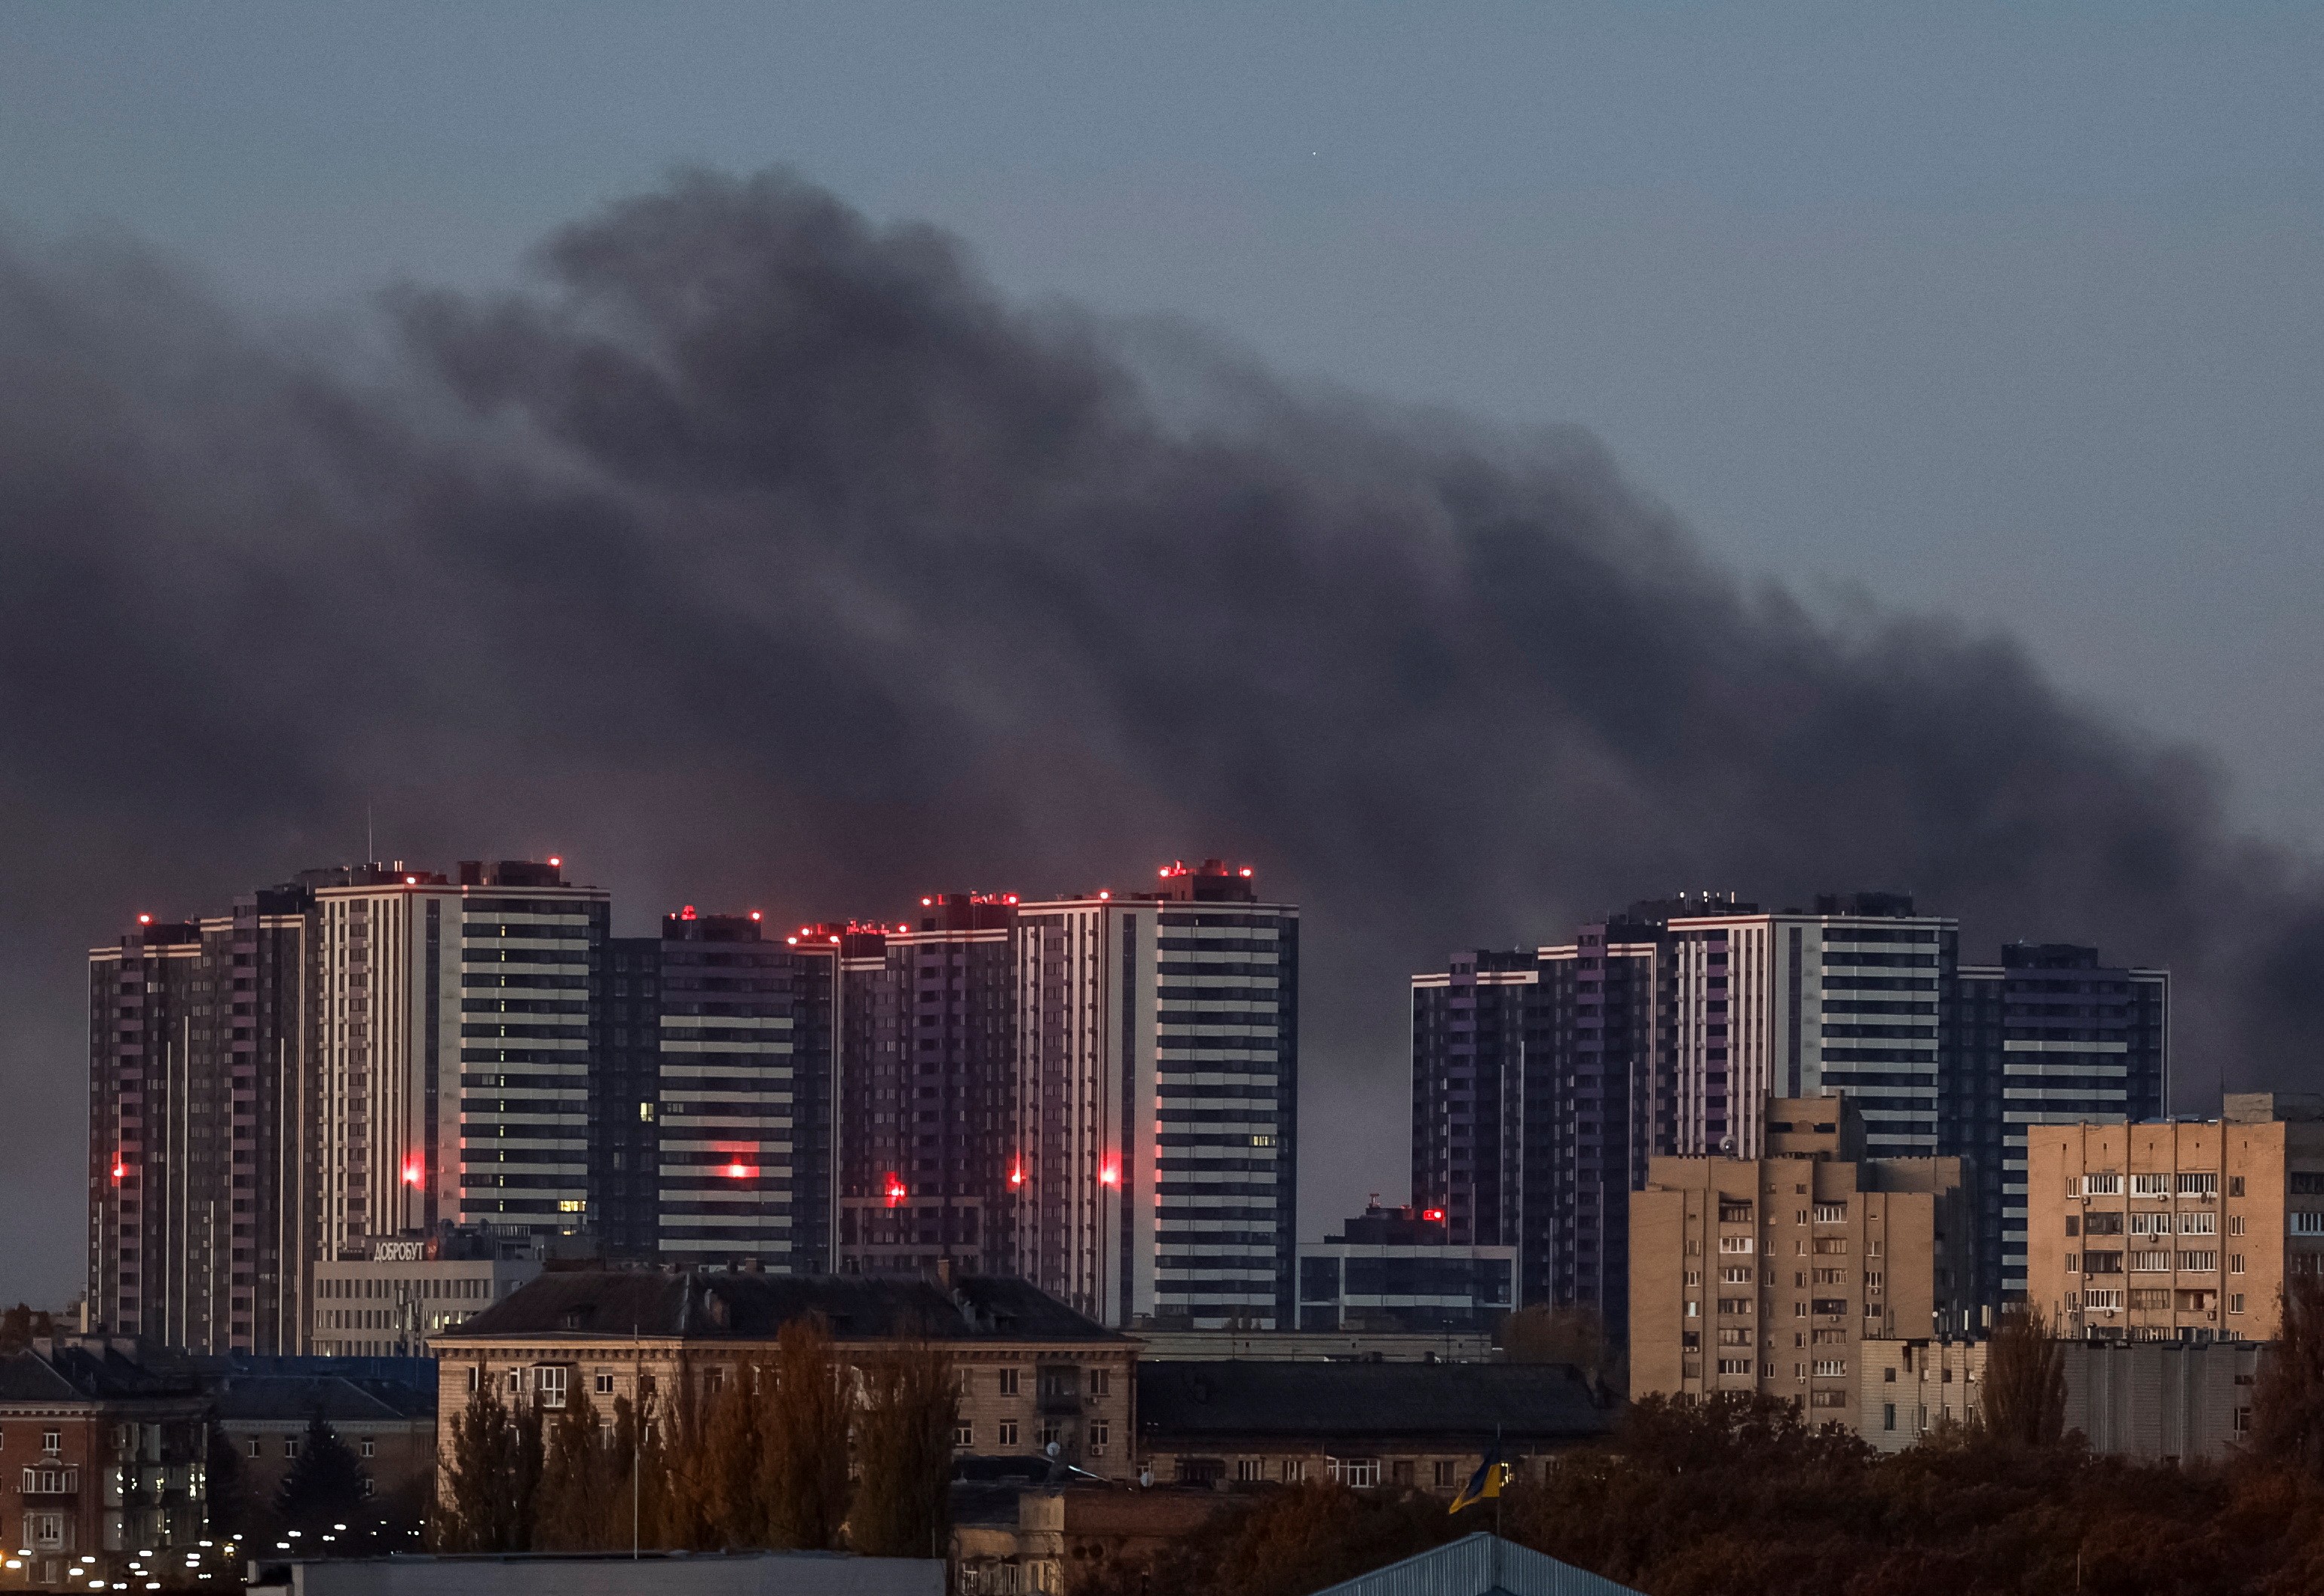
<point x="370" y="850"/>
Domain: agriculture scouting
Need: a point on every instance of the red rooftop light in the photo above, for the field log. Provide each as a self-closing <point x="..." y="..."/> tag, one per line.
<point x="896" y="1192"/>
<point x="1017" y="1173"/>
<point x="144" y="919"/>
<point x="755" y="914"/>
<point x="738" y="1170"/>
<point x="1110" y="1175"/>
<point x="686" y="913"/>
<point x="411" y="880"/>
<point x="555" y="863"/>
<point x="119" y="1170"/>
<point x="411" y="1171"/>
<point x="1433" y="1215"/>
<point x="1245" y="870"/>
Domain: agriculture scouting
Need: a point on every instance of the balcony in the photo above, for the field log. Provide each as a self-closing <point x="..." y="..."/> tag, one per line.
<point x="52" y="1482"/>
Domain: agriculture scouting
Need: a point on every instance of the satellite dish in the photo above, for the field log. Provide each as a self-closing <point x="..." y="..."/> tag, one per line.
<point x="1052" y="1449"/>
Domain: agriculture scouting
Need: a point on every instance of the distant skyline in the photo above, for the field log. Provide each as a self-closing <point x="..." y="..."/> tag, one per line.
<point x="2004" y="320"/>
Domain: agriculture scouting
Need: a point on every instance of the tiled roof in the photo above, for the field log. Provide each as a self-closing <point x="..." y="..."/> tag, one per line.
<point x="1196" y="1402"/>
<point x="593" y="1305"/>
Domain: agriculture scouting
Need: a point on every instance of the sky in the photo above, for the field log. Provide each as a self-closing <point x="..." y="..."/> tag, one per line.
<point x="2003" y="313"/>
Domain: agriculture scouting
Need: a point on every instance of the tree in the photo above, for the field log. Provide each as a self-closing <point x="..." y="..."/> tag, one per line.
<point x="804" y="1463"/>
<point x="228" y="1507"/>
<point x="20" y="1326"/>
<point x="1574" y="1335"/>
<point x="574" y="1511"/>
<point x="2288" y="1403"/>
<point x="327" y="1484"/>
<point x="489" y="1485"/>
<point x="2025" y="1399"/>
<point x="904" y="1453"/>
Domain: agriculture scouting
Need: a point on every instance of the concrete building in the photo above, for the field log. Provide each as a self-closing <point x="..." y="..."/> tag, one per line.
<point x="1033" y="1371"/>
<point x="1186" y="998"/>
<point x="2047" y="1037"/>
<point x="928" y="1060"/>
<point x="1764" y="1274"/>
<point x="1907" y="1387"/>
<point x="200" y="1166"/>
<point x="1396" y="1269"/>
<point x="456" y="1027"/>
<point x="104" y="1460"/>
<point x="390" y="1294"/>
<point x="1298" y="1346"/>
<point x="388" y="1425"/>
<point x="1363" y="1424"/>
<point x="2176" y="1231"/>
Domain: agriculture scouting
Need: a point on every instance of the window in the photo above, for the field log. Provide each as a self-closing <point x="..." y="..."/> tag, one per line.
<point x="1295" y="1470"/>
<point x="2150" y="1185"/>
<point x="1443" y="1474"/>
<point x="1740" y="1305"/>
<point x="2198" y="1186"/>
<point x="1832" y="1213"/>
<point x="1051" y="1432"/>
<point x="1733" y="1213"/>
<point x="2146" y="1300"/>
<point x="290" y="1446"/>
<point x="52" y="1440"/>
<point x="472" y="1378"/>
<point x="1738" y="1274"/>
<point x="1831" y="1368"/>
<point x="550" y="1378"/>
<point x="367" y="1447"/>
<point x="2102" y="1299"/>
<point x="2235" y="1301"/>
<point x="1888" y="1413"/>
<point x="2102" y="1263"/>
<point x="1358" y="1473"/>
<point x="2073" y="1224"/>
<point x="2307" y="1224"/>
<point x="2234" y="1225"/>
<point x="964" y="1435"/>
<point x="604" y="1384"/>
<point x="1007" y="1432"/>
<point x="2203" y="1262"/>
<point x="1008" y="1377"/>
<point x="1099" y="1432"/>
<point x="2235" y="1263"/>
<point x="2234" y="1186"/>
<point x="2151" y="1261"/>
<point x="2102" y="1185"/>
<point x="1101" y="1382"/>
<point x="45" y="1530"/>
<point x="1734" y="1244"/>
<point x="1249" y="1469"/>
<point x="1827" y="1399"/>
<point x="1831" y="1246"/>
<point x="2150" y="1225"/>
<point x="254" y="1447"/>
<point x="1735" y="1366"/>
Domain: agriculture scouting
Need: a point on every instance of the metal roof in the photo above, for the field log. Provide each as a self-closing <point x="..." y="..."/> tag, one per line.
<point x="1479" y="1565"/>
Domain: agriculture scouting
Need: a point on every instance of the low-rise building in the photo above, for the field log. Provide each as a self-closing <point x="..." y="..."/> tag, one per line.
<point x="1055" y="1538"/>
<point x="1765" y="1274"/>
<point x="1396" y="1269"/>
<point x="1363" y="1425"/>
<point x="386" y="1296"/>
<point x="2176" y="1229"/>
<point x="388" y="1425"/>
<point x="104" y="1460"/>
<point x="2162" y="1401"/>
<point x="1906" y="1389"/>
<point x="1297" y="1346"/>
<point x="1033" y="1372"/>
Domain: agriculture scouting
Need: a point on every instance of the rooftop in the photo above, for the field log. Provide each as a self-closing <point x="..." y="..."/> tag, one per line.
<point x="594" y="1304"/>
<point x="1242" y="1398"/>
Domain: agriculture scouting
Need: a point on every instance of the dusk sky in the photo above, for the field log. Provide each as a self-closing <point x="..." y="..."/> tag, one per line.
<point x="2010" y="315"/>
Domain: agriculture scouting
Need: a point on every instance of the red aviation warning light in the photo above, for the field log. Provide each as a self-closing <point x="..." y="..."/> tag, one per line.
<point x="738" y="1170"/>
<point x="756" y="915"/>
<point x="1433" y="1216"/>
<point x="144" y="919"/>
<point x="686" y="913"/>
<point x="555" y="863"/>
<point x="896" y="1192"/>
<point x="1110" y="1175"/>
<point x="411" y="1171"/>
<point x="120" y="1169"/>
<point x="1017" y="1173"/>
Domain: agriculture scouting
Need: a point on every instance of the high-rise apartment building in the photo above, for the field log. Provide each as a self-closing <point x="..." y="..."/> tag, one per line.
<point x="1469" y="1123"/>
<point x="454" y="1047"/>
<point x="200" y="1164"/>
<point x="927" y="1055"/>
<point x="1158" y="1102"/>
<point x="1764" y="1274"/>
<point x="625" y="1142"/>
<point x="2178" y="1230"/>
<point x="2047" y="1037"/>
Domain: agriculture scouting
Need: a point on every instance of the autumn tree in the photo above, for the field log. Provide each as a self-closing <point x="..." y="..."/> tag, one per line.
<point x="903" y="1447"/>
<point x="804" y="1465"/>
<point x="2288" y="1402"/>
<point x="491" y="1481"/>
<point x="21" y="1325"/>
<point x="2025" y="1397"/>
<point x="579" y="1474"/>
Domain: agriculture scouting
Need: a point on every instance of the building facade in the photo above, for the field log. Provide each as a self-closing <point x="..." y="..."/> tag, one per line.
<point x="384" y="1298"/>
<point x="104" y="1460"/>
<point x="1033" y="1372"/>
<point x="2048" y="1037"/>
<point x="1391" y="1270"/>
<point x="1764" y="1274"/>
<point x="927" y="1062"/>
<point x="2176" y="1230"/>
<point x="1184" y="1000"/>
<point x="201" y="1169"/>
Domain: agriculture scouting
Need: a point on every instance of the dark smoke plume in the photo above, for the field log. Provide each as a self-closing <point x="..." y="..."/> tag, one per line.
<point x="759" y="555"/>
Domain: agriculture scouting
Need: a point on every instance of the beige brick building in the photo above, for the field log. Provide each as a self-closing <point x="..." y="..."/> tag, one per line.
<point x="2176" y="1231"/>
<point x="1764" y="1274"/>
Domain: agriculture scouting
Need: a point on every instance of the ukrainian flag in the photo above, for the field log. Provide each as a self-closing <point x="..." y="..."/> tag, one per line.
<point x="1485" y="1482"/>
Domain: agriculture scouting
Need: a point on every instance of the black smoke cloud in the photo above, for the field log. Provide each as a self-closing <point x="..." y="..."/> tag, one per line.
<point x="756" y="554"/>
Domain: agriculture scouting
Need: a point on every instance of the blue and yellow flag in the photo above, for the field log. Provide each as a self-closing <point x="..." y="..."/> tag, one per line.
<point x="1486" y="1482"/>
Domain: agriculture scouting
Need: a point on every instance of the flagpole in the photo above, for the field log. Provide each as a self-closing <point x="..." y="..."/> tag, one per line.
<point x="1497" y="1494"/>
